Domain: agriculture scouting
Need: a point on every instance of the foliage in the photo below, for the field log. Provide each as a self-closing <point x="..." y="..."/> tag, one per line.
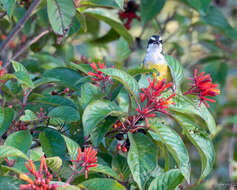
<point x="79" y="112"/>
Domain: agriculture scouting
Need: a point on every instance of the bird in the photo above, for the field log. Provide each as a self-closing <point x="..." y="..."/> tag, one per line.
<point x="155" y="59"/>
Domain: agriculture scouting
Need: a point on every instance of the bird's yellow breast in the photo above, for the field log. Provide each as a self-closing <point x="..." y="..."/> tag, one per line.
<point x="163" y="70"/>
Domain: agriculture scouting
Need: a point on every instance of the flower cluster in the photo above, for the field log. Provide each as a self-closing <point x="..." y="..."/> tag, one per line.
<point x="129" y="14"/>
<point x="150" y="102"/>
<point x="98" y="76"/>
<point x="10" y="163"/>
<point x="202" y="86"/>
<point x="12" y="44"/>
<point x="85" y="160"/>
<point x="42" y="177"/>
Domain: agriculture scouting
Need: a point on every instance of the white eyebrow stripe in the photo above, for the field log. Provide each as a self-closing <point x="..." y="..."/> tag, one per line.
<point x="152" y="38"/>
<point x="160" y="38"/>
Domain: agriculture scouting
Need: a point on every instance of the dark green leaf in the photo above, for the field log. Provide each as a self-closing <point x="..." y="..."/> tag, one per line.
<point x="192" y="106"/>
<point x="60" y="13"/>
<point x="127" y="80"/>
<point x="89" y="92"/>
<point x="98" y="134"/>
<point x="149" y="9"/>
<point x="6" y="117"/>
<point x="95" y="112"/>
<point x="167" y="181"/>
<point x="72" y="147"/>
<point x="218" y="72"/>
<point x="21" y="140"/>
<point x="9" y="183"/>
<point x="8" y="151"/>
<point x="215" y="18"/>
<point x="101" y="184"/>
<point x="176" y="70"/>
<point x="199" y="5"/>
<point x="142" y="158"/>
<point x="55" y="101"/>
<point x="120" y="165"/>
<point x="174" y="144"/>
<point x="63" y="75"/>
<point x="123" y="50"/>
<point x="65" y="113"/>
<point x="201" y="141"/>
<point x="52" y="143"/>
<point x="105" y="170"/>
<point x="108" y="16"/>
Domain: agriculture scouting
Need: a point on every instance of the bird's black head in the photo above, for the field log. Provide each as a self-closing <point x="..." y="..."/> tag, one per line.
<point x="155" y="39"/>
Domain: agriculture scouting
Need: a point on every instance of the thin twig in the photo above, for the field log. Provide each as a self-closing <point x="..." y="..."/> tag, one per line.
<point x="3" y="15"/>
<point x="19" y="25"/>
<point x="26" y="46"/>
<point x="29" y="43"/>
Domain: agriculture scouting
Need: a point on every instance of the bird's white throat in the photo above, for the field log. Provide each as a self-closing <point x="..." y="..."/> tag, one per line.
<point x="154" y="54"/>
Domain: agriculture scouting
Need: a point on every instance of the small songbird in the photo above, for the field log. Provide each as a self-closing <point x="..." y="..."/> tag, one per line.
<point x="154" y="59"/>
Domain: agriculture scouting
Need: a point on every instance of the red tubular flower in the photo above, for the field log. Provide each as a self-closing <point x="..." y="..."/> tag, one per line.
<point x="42" y="177"/>
<point x="1" y="70"/>
<point x="149" y="99"/>
<point x="129" y="14"/>
<point x="202" y="86"/>
<point x="98" y="76"/>
<point x="10" y="163"/>
<point x="85" y="160"/>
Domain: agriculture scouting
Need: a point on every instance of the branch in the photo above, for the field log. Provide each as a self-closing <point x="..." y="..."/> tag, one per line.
<point x="19" y="25"/>
<point x="3" y="15"/>
<point x="26" y="46"/>
<point x="29" y="43"/>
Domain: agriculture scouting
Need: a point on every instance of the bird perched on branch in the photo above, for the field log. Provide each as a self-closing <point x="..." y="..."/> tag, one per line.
<point x="154" y="59"/>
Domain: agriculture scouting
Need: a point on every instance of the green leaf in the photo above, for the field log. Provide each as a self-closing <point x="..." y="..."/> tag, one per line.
<point x="110" y="18"/>
<point x="89" y="92"/>
<point x="55" y="101"/>
<point x="6" y="117"/>
<point x="200" y="141"/>
<point x="127" y="80"/>
<point x="95" y="112"/>
<point x="105" y="170"/>
<point x="22" y="74"/>
<point x="52" y="143"/>
<point x="64" y="76"/>
<point x="176" y="70"/>
<point x="9" y="151"/>
<point x="142" y="158"/>
<point x="101" y="184"/>
<point x="60" y="13"/>
<point x="28" y="116"/>
<point x="120" y="166"/>
<point x="167" y="181"/>
<point x="174" y="144"/>
<point x="215" y="18"/>
<point x="149" y="9"/>
<point x="68" y="187"/>
<point x="65" y="113"/>
<point x="189" y="106"/>
<point x="21" y="140"/>
<point x="72" y="147"/>
<point x="123" y="50"/>
<point x="54" y="163"/>
<point x="199" y="5"/>
<point x="120" y="3"/>
<point x="98" y="134"/>
<point x="9" y="183"/>
<point x="9" y="6"/>
<point x="218" y="72"/>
